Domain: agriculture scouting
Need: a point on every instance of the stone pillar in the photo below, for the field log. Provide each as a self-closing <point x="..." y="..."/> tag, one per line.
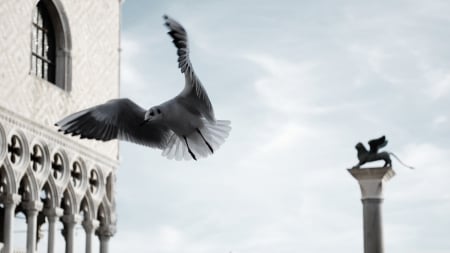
<point x="31" y="209"/>
<point x="10" y="201"/>
<point x="104" y="234"/>
<point x="69" y="230"/>
<point x="89" y="227"/>
<point x="53" y="215"/>
<point x="371" y="182"/>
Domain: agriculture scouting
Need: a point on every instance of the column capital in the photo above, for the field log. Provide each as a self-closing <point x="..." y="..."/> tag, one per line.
<point x="10" y="199"/>
<point x="55" y="212"/>
<point x="90" y="225"/>
<point x="106" y="231"/>
<point x="32" y="206"/>
<point x="371" y="180"/>
<point x="71" y="218"/>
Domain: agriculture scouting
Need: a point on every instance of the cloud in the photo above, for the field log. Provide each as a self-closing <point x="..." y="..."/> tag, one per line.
<point x="130" y="76"/>
<point x="288" y="87"/>
<point x="439" y="120"/>
<point x="441" y="87"/>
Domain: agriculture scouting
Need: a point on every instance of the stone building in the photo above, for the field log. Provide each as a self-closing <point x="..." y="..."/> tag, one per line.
<point x="56" y="57"/>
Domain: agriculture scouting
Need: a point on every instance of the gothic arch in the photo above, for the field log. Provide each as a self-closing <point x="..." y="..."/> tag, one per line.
<point x="68" y="202"/>
<point x="7" y="181"/>
<point x="3" y="143"/>
<point x="53" y="192"/>
<point x="109" y="187"/>
<point x="88" y="208"/>
<point x="28" y="188"/>
<point x="105" y="213"/>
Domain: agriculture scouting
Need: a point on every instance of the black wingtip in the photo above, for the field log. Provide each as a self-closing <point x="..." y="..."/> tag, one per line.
<point x="165" y="17"/>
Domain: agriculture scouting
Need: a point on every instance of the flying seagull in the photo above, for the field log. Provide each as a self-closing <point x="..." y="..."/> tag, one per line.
<point x="184" y="127"/>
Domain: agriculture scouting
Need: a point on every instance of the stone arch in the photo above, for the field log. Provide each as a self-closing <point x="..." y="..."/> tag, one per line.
<point x="63" y="41"/>
<point x="7" y="181"/>
<point x="87" y="207"/>
<point x="109" y="187"/>
<point x="3" y="143"/>
<point x="69" y="202"/>
<point x="28" y="188"/>
<point x="101" y="215"/>
<point x="105" y="214"/>
<point x="52" y="191"/>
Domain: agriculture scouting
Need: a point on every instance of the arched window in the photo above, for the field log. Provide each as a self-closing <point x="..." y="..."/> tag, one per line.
<point x="50" y="47"/>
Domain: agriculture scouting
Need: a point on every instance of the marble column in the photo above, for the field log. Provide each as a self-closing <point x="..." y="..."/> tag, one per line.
<point x="53" y="215"/>
<point x="10" y="201"/>
<point x="89" y="227"/>
<point x="69" y="230"/>
<point x="371" y="181"/>
<point x="31" y="209"/>
<point x="104" y="243"/>
<point x="104" y="234"/>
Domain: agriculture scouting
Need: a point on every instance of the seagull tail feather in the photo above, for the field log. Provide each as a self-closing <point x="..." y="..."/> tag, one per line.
<point x="215" y="133"/>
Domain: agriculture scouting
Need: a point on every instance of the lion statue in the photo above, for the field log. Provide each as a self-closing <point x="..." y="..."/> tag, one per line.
<point x="371" y="155"/>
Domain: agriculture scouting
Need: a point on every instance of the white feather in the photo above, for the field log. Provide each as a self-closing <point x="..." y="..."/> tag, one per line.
<point x="215" y="133"/>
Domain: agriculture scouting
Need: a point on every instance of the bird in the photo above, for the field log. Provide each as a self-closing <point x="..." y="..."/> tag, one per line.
<point x="184" y="127"/>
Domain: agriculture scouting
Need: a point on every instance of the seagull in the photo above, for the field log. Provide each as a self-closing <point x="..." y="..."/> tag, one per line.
<point x="183" y="127"/>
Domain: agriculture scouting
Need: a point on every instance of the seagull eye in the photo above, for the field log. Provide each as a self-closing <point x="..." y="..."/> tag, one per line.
<point x="158" y="110"/>
<point x="152" y="113"/>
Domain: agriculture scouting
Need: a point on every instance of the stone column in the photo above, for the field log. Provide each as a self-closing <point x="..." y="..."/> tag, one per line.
<point x="104" y="234"/>
<point x="371" y="182"/>
<point x="53" y="215"/>
<point x="70" y="220"/>
<point x="89" y="227"/>
<point x="104" y="243"/>
<point x="31" y="209"/>
<point x="10" y="201"/>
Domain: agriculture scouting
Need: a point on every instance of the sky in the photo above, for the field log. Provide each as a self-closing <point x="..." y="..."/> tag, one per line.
<point x="302" y="82"/>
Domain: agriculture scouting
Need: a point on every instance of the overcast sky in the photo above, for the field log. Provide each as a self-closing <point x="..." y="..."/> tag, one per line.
<point x="302" y="82"/>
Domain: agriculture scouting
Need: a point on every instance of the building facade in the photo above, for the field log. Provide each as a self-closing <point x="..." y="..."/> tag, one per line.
<point x="56" y="57"/>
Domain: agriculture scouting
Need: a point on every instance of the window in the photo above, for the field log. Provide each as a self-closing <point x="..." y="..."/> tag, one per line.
<point x="43" y="49"/>
<point x="51" y="44"/>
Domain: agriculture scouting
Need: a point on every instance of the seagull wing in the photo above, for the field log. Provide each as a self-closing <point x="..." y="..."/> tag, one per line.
<point x="116" y="119"/>
<point x="194" y="94"/>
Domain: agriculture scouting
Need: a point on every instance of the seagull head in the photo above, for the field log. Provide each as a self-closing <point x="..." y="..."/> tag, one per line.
<point x="153" y="114"/>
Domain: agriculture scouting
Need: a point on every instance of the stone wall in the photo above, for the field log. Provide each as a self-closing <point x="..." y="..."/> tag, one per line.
<point x="94" y="31"/>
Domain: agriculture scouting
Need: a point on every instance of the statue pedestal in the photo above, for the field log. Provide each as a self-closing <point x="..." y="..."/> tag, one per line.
<point x="371" y="182"/>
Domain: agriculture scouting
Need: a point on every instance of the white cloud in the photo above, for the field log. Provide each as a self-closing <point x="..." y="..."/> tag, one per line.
<point x="439" y="120"/>
<point x="288" y="87"/>
<point x="441" y="87"/>
<point x="131" y="77"/>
